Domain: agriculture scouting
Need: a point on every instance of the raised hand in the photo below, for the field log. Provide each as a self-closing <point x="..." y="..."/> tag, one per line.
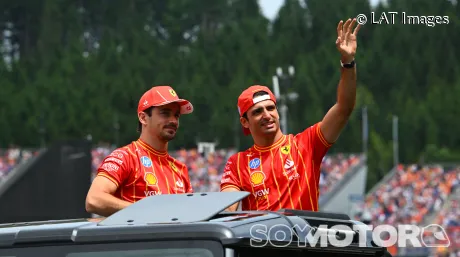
<point x="346" y="40"/>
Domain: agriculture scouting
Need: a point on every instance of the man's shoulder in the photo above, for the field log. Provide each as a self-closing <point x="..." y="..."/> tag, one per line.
<point x="175" y="161"/>
<point x="242" y="154"/>
<point x="117" y="160"/>
<point x="123" y="151"/>
<point x="247" y="152"/>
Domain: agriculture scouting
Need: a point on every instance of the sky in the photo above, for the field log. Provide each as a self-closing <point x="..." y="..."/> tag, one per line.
<point x="270" y="7"/>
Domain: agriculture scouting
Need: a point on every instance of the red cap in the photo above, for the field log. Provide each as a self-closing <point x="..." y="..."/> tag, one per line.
<point x="246" y="100"/>
<point x="161" y="95"/>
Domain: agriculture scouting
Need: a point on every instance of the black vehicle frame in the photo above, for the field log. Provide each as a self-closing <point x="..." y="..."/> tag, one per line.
<point x="189" y="225"/>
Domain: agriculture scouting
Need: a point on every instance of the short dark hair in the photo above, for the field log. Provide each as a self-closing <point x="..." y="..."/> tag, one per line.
<point x="256" y="94"/>
<point x="147" y="111"/>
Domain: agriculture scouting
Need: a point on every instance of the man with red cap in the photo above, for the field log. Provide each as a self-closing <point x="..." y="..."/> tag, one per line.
<point x="143" y="168"/>
<point x="282" y="171"/>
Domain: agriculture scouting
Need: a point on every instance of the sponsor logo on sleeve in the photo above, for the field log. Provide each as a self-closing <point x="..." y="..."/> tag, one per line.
<point x="118" y="153"/>
<point x="225" y="180"/>
<point x="109" y="167"/>
<point x="113" y="159"/>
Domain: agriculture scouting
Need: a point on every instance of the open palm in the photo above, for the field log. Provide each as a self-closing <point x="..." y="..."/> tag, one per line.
<point x="346" y="39"/>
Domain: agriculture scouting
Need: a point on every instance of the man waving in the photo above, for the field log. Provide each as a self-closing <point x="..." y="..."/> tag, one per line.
<point x="282" y="171"/>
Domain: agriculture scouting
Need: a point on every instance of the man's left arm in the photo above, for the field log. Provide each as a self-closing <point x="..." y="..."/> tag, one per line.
<point x="337" y="117"/>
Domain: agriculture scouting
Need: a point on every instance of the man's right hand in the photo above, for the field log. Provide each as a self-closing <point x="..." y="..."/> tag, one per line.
<point x="101" y="200"/>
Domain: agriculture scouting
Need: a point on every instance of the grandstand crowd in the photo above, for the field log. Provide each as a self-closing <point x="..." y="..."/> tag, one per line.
<point x="412" y="194"/>
<point x="419" y="195"/>
<point x="11" y="157"/>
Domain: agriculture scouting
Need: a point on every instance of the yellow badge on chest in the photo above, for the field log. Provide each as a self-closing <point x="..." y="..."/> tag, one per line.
<point x="150" y="179"/>
<point x="257" y="178"/>
<point x="173" y="166"/>
<point x="286" y="149"/>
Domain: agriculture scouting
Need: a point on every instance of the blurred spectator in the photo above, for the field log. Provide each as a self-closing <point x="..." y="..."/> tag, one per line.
<point x="334" y="168"/>
<point x="98" y="154"/>
<point x="205" y="171"/>
<point x="13" y="156"/>
<point x="449" y="219"/>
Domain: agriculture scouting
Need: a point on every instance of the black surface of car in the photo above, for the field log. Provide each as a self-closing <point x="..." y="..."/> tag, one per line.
<point x="191" y="225"/>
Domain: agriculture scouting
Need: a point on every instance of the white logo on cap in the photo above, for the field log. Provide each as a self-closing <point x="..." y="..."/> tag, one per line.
<point x="146" y="102"/>
<point x="260" y="98"/>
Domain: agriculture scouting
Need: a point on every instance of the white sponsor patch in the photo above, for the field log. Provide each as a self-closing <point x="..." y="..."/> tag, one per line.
<point x="150" y="193"/>
<point x="225" y="180"/>
<point x="294" y="176"/>
<point x="262" y="192"/>
<point x="110" y="167"/>
<point x="117" y="154"/>
<point x="121" y="151"/>
<point x="260" y="98"/>
<point x="179" y="183"/>
<point x="112" y="159"/>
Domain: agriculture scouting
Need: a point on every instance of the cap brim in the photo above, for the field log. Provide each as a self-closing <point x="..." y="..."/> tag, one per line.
<point x="186" y="106"/>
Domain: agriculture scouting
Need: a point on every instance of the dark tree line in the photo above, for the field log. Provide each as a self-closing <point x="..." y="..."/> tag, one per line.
<point x="83" y="65"/>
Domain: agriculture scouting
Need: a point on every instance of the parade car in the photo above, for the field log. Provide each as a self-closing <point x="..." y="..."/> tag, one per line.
<point x="191" y="225"/>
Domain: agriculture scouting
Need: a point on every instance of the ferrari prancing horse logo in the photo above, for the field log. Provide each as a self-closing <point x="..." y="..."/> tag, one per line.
<point x="172" y="92"/>
<point x="285" y="149"/>
<point x="173" y="166"/>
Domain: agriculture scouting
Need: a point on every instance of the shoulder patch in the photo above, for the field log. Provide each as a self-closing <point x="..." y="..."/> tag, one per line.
<point x="109" y="167"/>
<point x="113" y="159"/>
